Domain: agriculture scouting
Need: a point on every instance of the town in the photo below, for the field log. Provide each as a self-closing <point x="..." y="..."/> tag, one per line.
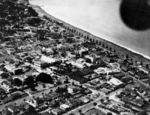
<point x="47" y="68"/>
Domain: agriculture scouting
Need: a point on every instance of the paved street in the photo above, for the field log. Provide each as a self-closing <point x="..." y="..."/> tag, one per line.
<point x="19" y="101"/>
<point x="136" y="80"/>
<point x="84" y="107"/>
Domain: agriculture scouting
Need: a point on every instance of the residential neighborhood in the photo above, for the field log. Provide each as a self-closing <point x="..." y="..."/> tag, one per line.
<point x="47" y="68"/>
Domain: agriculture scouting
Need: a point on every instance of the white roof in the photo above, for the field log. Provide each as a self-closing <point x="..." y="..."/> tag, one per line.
<point x="85" y="100"/>
<point x="10" y="68"/>
<point x="64" y="106"/>
<point x="33" y="103"/>
<point x="143" y="69"/>
<point x="106" y="70"/>
<point x="115" y="81"/>
<point x="47" y="59"/>
<point x="77" y="64"/>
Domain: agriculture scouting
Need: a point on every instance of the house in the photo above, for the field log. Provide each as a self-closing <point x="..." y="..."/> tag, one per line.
<point x="83" y="51"/>
<point x="119" y="75"/>
<point x="85" y="100"/>
<point x="94" y="111"/>
<point x="91" y="57"/>
<point x="46" y="113"/>
<point x="33" y="103"/>
<point x="124" y="68"/>
<point x="77" y="77"/>
<point x="115" y="81"/>
<point x="24" y="107"/>
<point x="72" y="89"/>
<point x="57" y="111"/>
<point x="13" y="109"/>
<point x="7" y="86"/>
<point x="64" y="107"/>
<point x="10" y="68"/>
<point x="143" y="70"/>
<point x="131" y="73"/>
<point x="5" y="112"/>
<point x="37" y="65"/>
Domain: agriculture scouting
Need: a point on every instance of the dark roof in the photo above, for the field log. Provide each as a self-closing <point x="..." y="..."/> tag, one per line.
<point x="46" y="113"/>
<point x="78" y="76"/>
<point x="94" y="111"/>
<point x="54" y="95"/>
<point x="124" y="68"/>
<point x="119" y="75"/>
<point x="6" y="112"/>
<point x="13" y="107"/>
<point x="58" y="110"/>
<point x="144" y="112"/>
<point x="141" y="75"/>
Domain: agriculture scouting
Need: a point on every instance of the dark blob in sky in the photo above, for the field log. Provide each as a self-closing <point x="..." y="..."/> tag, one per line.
<point x="136" y="14"/>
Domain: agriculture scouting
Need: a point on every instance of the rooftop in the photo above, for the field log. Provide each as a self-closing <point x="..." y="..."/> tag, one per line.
<point x="94" y="111"/>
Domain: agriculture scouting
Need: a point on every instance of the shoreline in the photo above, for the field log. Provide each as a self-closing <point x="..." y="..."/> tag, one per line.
<point x="132" y="53"/>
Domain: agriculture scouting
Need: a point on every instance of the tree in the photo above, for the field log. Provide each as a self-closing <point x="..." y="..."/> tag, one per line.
<point x="32" y="11"/>
<point x="44" y="86"/>
<point x="110" y="48"/>
<point x="101" y="100"/>
<point x="61" y="90"/>
<point x="19" y="71"/>
<point x="94" y="103"/>
<point x="149" y="81"/>
<point x="80" y="111"/>
<point x="29" y="81"/>
<point x="141" y="63"/>
<point x="99" y="42"/>
<point x="44" y="78"/>
<point x="30" y="111"/>
<point x="103" y="45"/>
<point x="5" y="75"/>
<point x="66" y="80"/>
<point x="109" y="113"/>
<point x="127" y="56"/>
<point x="147" y="66"/>
<point x="58" y="82"/>
<point x="18" y="82"/>
<point x="71" y="114"/>
<point x="106" y="46"/>
<point x="33" y="21"/>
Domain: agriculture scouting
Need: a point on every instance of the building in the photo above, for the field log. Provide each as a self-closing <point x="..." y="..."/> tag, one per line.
<point x="57" y="111"/>
<point x="91" y="57"/>
<point x="143" y="70"/>
<point x="10" y="68"/>
<point x="5" y="112"/>
<point x="13" y="109"/>
<point x="85" y="100"/>
<point x="94" y="111"/>
<point x="83" y="51"/>
<point x="72" y="89"/>
<point x="64" y="107"/>
<point x="47" y="59"/>
<point x="33" y="103"/>
<point x="7" y="86"/>
<point x="77" y="79"/>
<point x="37" y="65"/>
<point x="115" y="81"/>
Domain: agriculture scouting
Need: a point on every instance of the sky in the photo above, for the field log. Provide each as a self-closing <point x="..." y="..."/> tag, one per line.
<point x="101" y="18"/>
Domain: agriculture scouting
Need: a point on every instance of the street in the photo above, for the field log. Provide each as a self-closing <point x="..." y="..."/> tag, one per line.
<point x="19" y="101"/>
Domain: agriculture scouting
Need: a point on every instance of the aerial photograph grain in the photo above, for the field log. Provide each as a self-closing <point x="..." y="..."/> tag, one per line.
<point x="74" y="57"/>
